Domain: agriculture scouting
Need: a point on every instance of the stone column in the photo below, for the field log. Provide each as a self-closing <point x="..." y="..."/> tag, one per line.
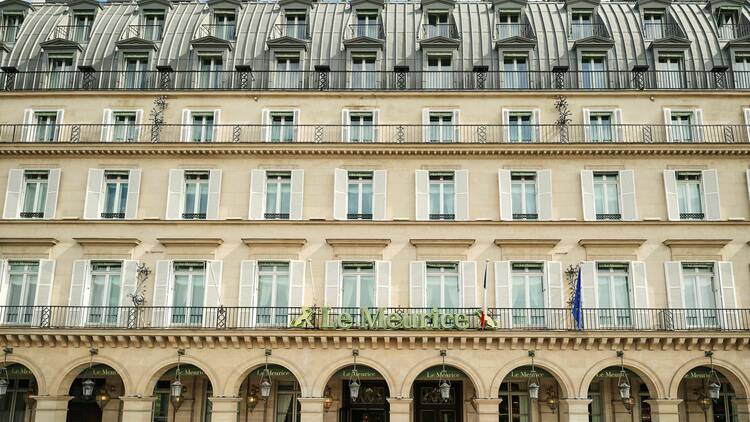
<point x="743" y="410"/>
<point x="400" y="409"/>
<point x="137" y="409"/>
<point x="224" y="409"/>
<point x="664" y="410"/>
<point x="51" y="408"/>
<point x="312" y="409"/>
<point x="488" y="410"/>
<point x="575" y="410"/>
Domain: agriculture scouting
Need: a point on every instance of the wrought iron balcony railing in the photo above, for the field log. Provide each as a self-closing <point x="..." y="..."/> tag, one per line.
<point x="146" y="32"/>
<point x="77" y="33"/>
<point x="584" y="30"/>
<point x="299" y="31"/>
<point x="249" y="318"/>
<point x="222" y="31"/>
<point x="397" y="80"/>
<point x="658" y="30"/>
<point x="733" y="31"/>
<point x="371" y="30"/>
<point x="387" y="133"/>
<point x="446" y="30"/>
<point x="508" y="30"/>
<point x="9" y="33"/>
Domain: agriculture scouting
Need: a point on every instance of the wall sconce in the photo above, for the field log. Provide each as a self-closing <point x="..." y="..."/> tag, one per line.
<point x="103" y="396"/>
<point x="703" y="401"/>
<point x="4" y="379"/>
<point x="628" y="403"/>
<point x="552" y="402"/>
<point x="252" y="399"/>
<point x="328" y="400"/>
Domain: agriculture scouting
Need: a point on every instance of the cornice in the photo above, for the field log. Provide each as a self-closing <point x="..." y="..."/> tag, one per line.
<point x="442" y="242"/>
<point x="633" y="243"/>
<point x="390" y="149"/>
<point x="26" y="241"/>
<point x="697" y="243"/>
<point x="550" y="243"/>
<point x="347" y="243"/>
<point x="190" y="241"/>
<point x="266" y="242"/>
<point x="104" y="241"/>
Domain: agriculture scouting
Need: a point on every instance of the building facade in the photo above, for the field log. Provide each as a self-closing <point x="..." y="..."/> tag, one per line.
<point x="435" y="211"/>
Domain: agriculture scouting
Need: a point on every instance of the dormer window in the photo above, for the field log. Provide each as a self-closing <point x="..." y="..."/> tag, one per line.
<point x="508" y="25"/>
<point x="593" y="71"/>
<point x="363" y="70"/>
<point x="296" y="24"/>
<point x="224" y="25"/>
<point x="367" y="24"/>
<point x="741" y="70"/>
<point x="136" y="71"/>
<point x="211" y="71"/>
<point x="437" y="25"/>
<point x="653" y="24"/>
<point x="11" y="27"/>
<point x="61" y="73"/>
<point x="669" y="70"/>
<point x="581" y="24"/>
<point x="82" y="24"/>
<point x="727" y="20"/>
<point x="153" y="25"/>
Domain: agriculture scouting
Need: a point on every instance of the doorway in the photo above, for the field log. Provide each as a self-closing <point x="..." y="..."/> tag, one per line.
<point x="430" y="407"/>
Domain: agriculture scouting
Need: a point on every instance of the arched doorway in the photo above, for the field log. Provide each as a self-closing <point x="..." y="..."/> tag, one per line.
<point x="95" y="393"/>
<point x="442" y="393"/>
<point x="188" y="402"/>
<point x="529" y="394"/>
<point x="707" y="396"/>
<point x="618" y="394"/>
<point x="269" y="394"/>
<point x="16" y="404"/>
<point x="357" y="394"/>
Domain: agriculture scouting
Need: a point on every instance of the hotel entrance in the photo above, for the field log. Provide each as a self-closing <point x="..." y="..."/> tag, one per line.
<point x="430" y="406"/>
<point x="370" y="405"/>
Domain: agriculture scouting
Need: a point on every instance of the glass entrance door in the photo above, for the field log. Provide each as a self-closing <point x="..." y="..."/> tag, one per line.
<point x="430" y="407"/>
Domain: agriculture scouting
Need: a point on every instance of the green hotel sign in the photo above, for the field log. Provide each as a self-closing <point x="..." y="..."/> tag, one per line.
<point x="384" y="319"/>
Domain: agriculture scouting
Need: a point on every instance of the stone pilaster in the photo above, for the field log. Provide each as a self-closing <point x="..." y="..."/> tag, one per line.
<point x="312" y="409"/>
<point x="400" y="409"/>
<point x="51" y="408"/>
<point x="665" y="410"/>
<point x="224" y="409"/>
<point x="575" y="410"/>
<point x="137" y="409"/>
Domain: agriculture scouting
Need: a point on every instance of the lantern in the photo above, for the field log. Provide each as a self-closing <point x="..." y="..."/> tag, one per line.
<point x="265" y="379"/>
<point x="622" y="380"/>
<point x="102" y="398"/>
<point x="713" y="390"/>
<point x="328" y="401"/>
<point x="354" y="382"/>
<point x="445" y="390"/>
<point x="624" y="388"/>
<point x="533" y="390"/>
<point x="252" y="399"/>
<point x="443" y="385"/>
<point x="3" y="386"/>
<point x="4" y="381"/>
<point x="88" y="388"/>
<point x="533" y="378"/>
<point x="175" y="389"/>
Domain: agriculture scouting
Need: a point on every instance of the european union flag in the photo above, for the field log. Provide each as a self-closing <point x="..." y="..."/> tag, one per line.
<point x="577" y="310"/>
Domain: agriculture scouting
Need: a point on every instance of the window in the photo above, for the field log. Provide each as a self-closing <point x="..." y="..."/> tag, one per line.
<point x="653" y="24"/>
<point x="527" y="287"/>
<point x="115" y="194"/>
<point x="363" y="71"/>
<point x="23" y="277"/>
<point x="14" y="405"/>
<point x="273" y="293"/>
<point x="519" y="126"/>
<point x="153" y="25"/>
<point x="225" y="26"/>
<point x="367" y="24"/>
<point x="106" y="288"/>
<point x="727" y="22"/>
<point x="202" y="126"/>
<point x="283" y="126"/>
<point x="288" y="406"/>
<point x="125" y="127"/>
<point x="516" y="68"/>
<point x="524" y="195"/>
<point x="61" y="72"/>
<point x="358" y="285"/>
<point x="437" y="25"/>
<point x="690" y="195"/>
<point x="196" y="195"/>
<point x="596" y="407"/>
<point x="741" y="70"/>
<point x="515" y="405"/>
<point x="509" y="25"/>
<point x="682" y="127"/>
<point x="189" y="293"/>
<point x="442" y="196"/>
<point x="613" y="294"/>
<point x="211" y="72"/>
<point x="296" y="26"/>
<point x="600" y="127"/>
<point x="287" y="73"/>
<point x="46" y="127"/>
<point x="607" y="195"/>
<point x="359" y="191"/>
<point x="669" y="71"/>
<point x="581" y="25"/>
<point x="442" y="127"/>
<point x="361" y="127"/>
<point x="278" y="195"/>
<point x="136" y="71"/>
<point x="34" y="199"/>
<point x="593" y="71"/>
<point x="82" y="28"/>
<point x="698" y="284"/>
<point x="442" y="285"/>
<point x="11" y="27"/>
<point x="439" y="72"/>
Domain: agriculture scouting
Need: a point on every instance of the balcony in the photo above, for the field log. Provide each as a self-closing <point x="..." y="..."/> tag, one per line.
<point x="440" y="30"/>
<point x="509" y="30"/>
<point x="733" y="31"/>
<point x="145" y="32"/>
<point x="658" y="30"/>
<point x="249" y="318"/>
<point x="226" y="32"/>
<point x="372" y="30"/>
<point x="580" y="31"/>
<point x="396" y="80"/>
<point x="393" y="133"/>
<point x="299" y="31"/>
<point x="76" y="33"/>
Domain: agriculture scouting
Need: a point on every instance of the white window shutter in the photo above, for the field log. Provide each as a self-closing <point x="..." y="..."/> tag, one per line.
<point x="340" y="194"/>
<point x="129" y="281"/>
<point x="699" y="129"/>
<point x="248" y="277"/>
<point x="383" y="282"/>
<point x="711" y="194"/>
<point x="587" y="195"/>
<point x="587" y="125"/>
<point x="60" y="121"/>
<point x="417" y="275"/>
<point x="747" y="179"/>
<point x="138" y="124"/>
<point x="296" y="283"/>
<point x="53" y="186"/>
<point x="544" y="194"/>
<point x="668" y="124"/>
<point x="376" y="125"/>
<point x="214" y="194"/>
<point x="186" y="126"/>
<point x="468" y="271"/>
<point x="217" y="134"/>
<point x="298" y="184"/>
<point x="537" y="121"/>
<point x="379" y="194"/>
<point x="502" y="285"/>
<point x="107" y="123"/>
<point x="257" y="194"/>
<point x="422" y="189"/>
<point x="13" y="194"/>
<point x="266" y="124"/>
<point x="553" y="277"/>
<point x="670" y="189"/>
<point x="162" y="299"/>
<point x="673" y="276"/>
<point x="44" y="284"/>
<point x="4" y="282"/>
<point x="175" y="194"/>
<point x="619" y="126"/>
<point x="296" y="123"/>
<point x="726" y="281"/>
<point x="456" y="126"/>
<point x="134" y="192"/>
<point x="212" y="296"/>
<point x="588" y="285"/>
<point x="506" y="197"/>
<point x="28" y="130"/>
<point x="506" y="125"/>
<point x="639" y="283"/>
<point x="425" y="125"/>
<point x="333" y="284"/>
<point x="78" y="284"/>
<point x="462" y="195"/>
<point x="746" y="111"/>
<point x="627" y="195"/>
<point x="94" y="188"/>
<point x="345" y="125"/>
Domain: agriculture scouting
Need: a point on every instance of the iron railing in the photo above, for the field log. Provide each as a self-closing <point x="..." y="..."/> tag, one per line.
<point x="658" y="30"/>
<point x="222" y="31"/>
<point x="371" y="30"/>
<point x="527" y="319"/>
<point x="729" y="31"/>
<point x="146" y="32"/>
<point x="391" y="133"/>
<point x="508" y="30"/>
<point x="584" y="30"/>
<point x="299" y="31"/>
<point x="77" y="33"/>
<point x="445" y="30"/>
<point x="9" y="33"/>
<point x="397" y="80"/>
